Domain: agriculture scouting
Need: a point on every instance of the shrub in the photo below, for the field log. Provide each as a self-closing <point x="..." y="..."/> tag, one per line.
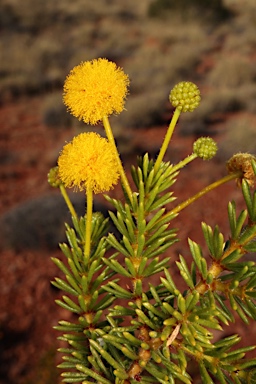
<point x="132" y="321"/>
<point x="232" y="71"/>
<point x="213" y="10"/>
<point x="144" y="110"/>
<point x="235" y="138"/>
<point x="214" y="109"/>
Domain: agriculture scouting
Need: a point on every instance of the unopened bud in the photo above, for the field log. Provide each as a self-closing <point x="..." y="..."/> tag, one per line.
<point x="205" y="147"/>
<point x="185" y="96"/>
<point x="53" y="177"/>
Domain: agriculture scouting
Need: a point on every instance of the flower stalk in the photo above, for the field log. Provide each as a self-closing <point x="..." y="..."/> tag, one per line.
<point x="111" y="139"/>
<point x="88" y="225"/>
<point x="205" y="190"/>
<point x="167" y="138"/>
<point x="184" y="162"/>
<point x="68" y="201"/>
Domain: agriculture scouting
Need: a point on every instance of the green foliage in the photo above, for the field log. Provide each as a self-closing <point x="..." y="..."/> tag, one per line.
<point x="126" y="330"/>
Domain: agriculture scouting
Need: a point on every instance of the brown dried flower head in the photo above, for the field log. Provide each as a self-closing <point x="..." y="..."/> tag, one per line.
<point x="242" y="162"/>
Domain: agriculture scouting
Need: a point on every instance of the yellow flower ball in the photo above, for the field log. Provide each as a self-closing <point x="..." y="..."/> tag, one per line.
<point x="95" y="89"/>
<point x="88" y="162"/>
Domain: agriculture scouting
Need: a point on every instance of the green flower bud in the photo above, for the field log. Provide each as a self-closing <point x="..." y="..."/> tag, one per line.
<point x="53" y="177"/>
<point x="185" y="96"/>
<point x="205" y="147"/>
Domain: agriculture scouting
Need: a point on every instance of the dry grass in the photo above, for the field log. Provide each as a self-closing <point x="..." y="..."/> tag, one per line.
<point x="238" y="71"/>
<point x="42" y="41"/>
<point x="144" y="110"/>
<point x="212" y="11"/>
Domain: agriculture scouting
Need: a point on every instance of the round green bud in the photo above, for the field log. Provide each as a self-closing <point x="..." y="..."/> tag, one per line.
<point x="53" y="177"/>
<point x="205" y="147"/>
<point x="185" y="96"/>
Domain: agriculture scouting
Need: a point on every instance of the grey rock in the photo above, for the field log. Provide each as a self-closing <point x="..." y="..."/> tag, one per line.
<point x="39" y="223"/>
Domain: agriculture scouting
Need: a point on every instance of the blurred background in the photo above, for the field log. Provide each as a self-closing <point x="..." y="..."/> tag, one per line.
<point x="158" y="43"/>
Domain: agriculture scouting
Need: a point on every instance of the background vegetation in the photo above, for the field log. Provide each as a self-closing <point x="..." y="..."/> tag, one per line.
<point x="157" y="42"/>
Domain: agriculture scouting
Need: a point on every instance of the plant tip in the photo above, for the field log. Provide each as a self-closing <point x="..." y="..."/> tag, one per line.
<point x="205" y="147"/>
<point x="185" y="96"/>
<point x="53" y="177"/>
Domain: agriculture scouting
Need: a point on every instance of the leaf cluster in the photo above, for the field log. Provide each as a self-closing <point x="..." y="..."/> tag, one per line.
<point x="127" y="330"/>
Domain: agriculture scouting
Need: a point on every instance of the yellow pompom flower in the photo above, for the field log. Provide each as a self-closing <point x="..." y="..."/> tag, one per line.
<point x="95" y="89"/>
<point x="88" y="162"/>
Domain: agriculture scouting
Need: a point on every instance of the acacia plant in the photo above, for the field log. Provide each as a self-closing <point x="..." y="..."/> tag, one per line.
<point x="124" y="329"/>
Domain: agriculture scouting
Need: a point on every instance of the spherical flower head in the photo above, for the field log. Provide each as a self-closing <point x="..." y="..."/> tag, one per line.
<point x="242" y="162"/>
<point x="185" y="96"/>
<point x="88" y="162"/>
<point x="95" y="89"/>
<point x="205" y="147"/>
<point x="53" y="177"/>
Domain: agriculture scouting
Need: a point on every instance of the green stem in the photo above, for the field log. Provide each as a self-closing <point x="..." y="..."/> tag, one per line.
<point x="88" y="225"/>
<point x="184" y="162"/>
<point x="67" y="200"/>
<point x="167" y="139"/>
<point x="122" y="172"/>
<point x="205" y="190"/>
<point x="196" y="354"/>
<point x="215" y="270"/>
